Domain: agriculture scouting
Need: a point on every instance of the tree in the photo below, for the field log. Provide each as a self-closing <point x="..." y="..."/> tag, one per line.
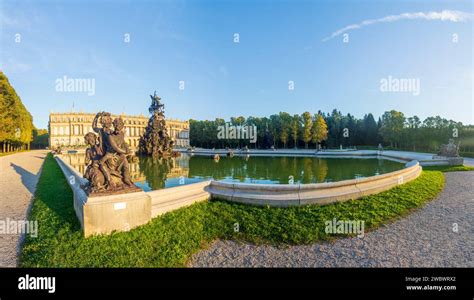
<point x="285" y="120"/>
<point x="369" y="128"/>
<point x="335" y="126"/>
<point x="307" y="124"/>
<point x="219" y="122"/>
<point x="392" y="127"/>
<point x="195" y="133"/>
<point x="295" y="127"/>
<point x="40" y="138"/>
<point x="274" y="128"/>
<point x="16" y="123"/>
<point x="412" y="131"/>
<point x="351" y="125"/>
<point x="319" y="131"/>
<point x="239" y="121"/>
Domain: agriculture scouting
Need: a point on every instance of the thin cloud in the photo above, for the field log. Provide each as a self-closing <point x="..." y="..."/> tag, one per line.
<point x="445" y="15"/>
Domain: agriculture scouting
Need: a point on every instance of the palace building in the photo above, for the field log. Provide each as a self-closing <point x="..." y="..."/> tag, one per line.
<point x="68" y="129"/>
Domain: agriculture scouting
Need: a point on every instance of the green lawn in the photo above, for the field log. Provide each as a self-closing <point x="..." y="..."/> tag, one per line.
<point x="171" y="239"/>
<point x="449" y="168"/>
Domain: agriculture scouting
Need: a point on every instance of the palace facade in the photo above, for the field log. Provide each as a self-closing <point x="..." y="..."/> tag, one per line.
<point x="68" y="129"/>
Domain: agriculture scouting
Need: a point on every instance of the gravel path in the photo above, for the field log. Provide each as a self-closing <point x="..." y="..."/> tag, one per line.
<point x="19" y="175"/>
<point x="423" y="239"/>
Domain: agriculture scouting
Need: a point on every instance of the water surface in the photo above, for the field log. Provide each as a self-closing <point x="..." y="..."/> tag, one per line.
<point x="154" y="174"/>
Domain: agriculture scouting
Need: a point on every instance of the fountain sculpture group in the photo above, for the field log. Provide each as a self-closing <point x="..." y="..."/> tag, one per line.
<point x="108" y="200"/>
<point x="108" y="155"/>
<point x="449" y="150"/>
<point x="156" y="141"/>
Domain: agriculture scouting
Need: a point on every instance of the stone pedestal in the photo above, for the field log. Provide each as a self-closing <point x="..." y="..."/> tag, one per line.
<point x="451" y="161"/>
<point x="104" y="214"/>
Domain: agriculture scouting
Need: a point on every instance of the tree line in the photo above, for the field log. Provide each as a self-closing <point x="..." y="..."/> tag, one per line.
<point x="332" y="130"/>
<point x="16" y="123"/>
<point x="329" y="130"/>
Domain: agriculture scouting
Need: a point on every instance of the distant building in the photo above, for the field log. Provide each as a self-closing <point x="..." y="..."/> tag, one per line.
<point x="68" y="129"/>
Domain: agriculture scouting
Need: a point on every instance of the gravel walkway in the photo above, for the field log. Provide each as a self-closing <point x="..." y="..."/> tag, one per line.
<point x="19" y="175"/>
<point x="423" y="239"/>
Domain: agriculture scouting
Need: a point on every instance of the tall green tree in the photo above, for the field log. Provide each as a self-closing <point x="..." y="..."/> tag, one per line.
<point x="307" y="124"/>
<point x="392" y="127"/>
<point x="319" y="130"/>
<point x="40" y="139"/>
<point x="295" y="128"/>
<point x="274" y="128"/>
<point x="412" y="132"/>
<point x="369" y="130"/>
<point x="16" y="123"/>
<point x="285" y="123"/>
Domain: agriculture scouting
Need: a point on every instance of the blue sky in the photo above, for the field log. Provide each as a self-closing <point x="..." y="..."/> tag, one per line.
<point x="280" y="41"/>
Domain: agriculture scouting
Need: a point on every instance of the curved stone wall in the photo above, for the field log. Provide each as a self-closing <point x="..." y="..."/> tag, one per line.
<point x="104" y="214"/>
<point x="283" y="195"/>
<point x="169" y="199"/>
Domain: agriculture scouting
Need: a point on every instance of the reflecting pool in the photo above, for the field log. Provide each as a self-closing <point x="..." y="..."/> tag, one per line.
<point x="151" y="174"/>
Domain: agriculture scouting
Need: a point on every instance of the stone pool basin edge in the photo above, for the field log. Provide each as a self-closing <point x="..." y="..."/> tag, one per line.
<point x="284" y="195"/>
<point x="123" y="212"/>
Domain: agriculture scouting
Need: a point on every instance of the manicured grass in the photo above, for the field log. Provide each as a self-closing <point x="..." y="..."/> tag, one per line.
<point x="171" y="239"/>
<point x="448" y="168"/>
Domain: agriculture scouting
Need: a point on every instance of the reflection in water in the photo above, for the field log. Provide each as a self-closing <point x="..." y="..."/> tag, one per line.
<point x="153" y="174"/>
